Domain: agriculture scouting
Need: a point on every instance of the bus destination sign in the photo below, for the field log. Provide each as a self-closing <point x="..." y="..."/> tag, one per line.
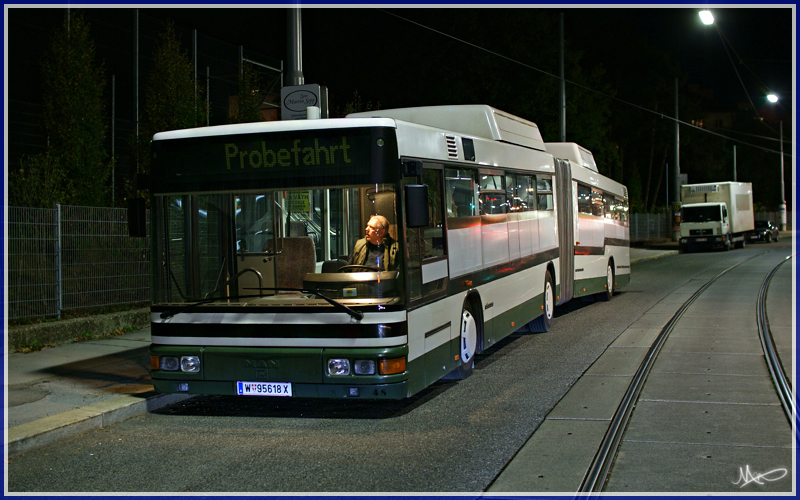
<point x="266" y="160"/>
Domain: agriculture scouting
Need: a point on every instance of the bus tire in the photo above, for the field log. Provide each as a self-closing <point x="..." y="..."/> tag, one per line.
<point x="542" y="323"/>
<point x="468" y="344"/>
<point x="606" y="296"/>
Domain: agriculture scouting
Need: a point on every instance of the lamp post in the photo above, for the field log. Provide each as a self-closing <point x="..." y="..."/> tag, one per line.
<point x="782" y="207"/>
<point x="783" y="196"/>
<point x="707" y="18"/>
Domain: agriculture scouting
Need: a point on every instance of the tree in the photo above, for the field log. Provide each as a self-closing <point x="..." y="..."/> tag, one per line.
<point x="356" y="105"/>
<point x="73" y="116"/>
<point x="247" y="108"/>
<point x="173" y="98"/>
<point x="40" y="181"/>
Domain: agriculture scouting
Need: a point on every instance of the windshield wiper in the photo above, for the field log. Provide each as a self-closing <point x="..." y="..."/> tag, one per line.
<point x="338" y="305"/>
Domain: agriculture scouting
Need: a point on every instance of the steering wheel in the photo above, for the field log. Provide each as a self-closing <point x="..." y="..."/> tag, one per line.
<point x="352" y="267"/>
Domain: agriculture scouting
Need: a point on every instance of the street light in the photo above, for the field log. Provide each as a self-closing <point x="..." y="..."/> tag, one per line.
<point x="706" y="17"/>
<point x="772" y="98"/>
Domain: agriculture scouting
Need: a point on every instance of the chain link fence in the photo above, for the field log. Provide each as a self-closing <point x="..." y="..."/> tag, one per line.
<point x="70" y="258"/>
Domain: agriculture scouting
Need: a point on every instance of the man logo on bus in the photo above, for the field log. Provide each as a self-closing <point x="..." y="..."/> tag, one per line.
<point x="297" y="155"/>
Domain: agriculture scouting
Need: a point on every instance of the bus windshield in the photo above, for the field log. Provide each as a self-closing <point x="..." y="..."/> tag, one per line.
<point x="267" y="245"/>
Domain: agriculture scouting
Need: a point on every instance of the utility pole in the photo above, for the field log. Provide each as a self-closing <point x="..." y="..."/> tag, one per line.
<point x="562" y="122"/>
<point x="676" y="173"/>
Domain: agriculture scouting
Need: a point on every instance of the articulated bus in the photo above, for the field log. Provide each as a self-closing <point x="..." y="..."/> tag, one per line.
<point x="252" y="228"/>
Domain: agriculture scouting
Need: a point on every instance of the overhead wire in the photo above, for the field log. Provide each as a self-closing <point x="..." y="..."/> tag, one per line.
<point x="576" y="84"/>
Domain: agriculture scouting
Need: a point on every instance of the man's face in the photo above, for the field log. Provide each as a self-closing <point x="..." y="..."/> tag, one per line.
<point x="375" y="232"/>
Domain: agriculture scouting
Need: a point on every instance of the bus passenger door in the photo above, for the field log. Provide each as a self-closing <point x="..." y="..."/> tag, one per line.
<point x="256" y="231"/>
<point x="427" y="248"/>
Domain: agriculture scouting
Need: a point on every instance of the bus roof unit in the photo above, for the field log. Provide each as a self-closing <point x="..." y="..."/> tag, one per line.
<point x="576" y="154"/>
<point x="477" y="120"/>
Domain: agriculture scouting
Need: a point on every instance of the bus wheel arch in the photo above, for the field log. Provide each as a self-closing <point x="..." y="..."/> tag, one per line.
<point x="543" y="322"/>
<point x="470" y="337"/>
<point x="611" y="275"/>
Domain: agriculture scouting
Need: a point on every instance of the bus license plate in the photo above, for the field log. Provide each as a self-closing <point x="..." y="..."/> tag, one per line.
<point x="279" y="389"/>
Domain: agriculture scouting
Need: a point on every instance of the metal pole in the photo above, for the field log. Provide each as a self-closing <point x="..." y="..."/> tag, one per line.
<point x="194" y="64"/>
<point x="783" y="195"/>
<point x="208" y="96"/>
<point x="734" y="163"/>
<point x="136" y="78"/>
<point x="562" y="123"/>
<point x="294" y="47"/>
<point x="113" y="134"/>
<point x="59" y="288"/>
<point x="676" y="169"/>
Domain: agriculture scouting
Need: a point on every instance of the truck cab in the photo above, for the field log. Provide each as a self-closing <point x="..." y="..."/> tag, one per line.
<point x="705" y="225"/>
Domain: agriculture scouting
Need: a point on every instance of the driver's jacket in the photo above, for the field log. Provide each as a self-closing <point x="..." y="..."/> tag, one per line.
<point x="360" y="251"/>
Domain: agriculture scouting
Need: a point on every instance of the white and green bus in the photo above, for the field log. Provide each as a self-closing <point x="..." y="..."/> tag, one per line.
<point x="252" y="226"/>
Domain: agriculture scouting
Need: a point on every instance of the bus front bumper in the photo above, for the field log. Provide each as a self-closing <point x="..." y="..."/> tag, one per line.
<point x="397" y="390"/>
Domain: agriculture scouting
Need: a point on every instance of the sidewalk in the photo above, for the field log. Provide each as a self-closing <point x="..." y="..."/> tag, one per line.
<point x="60" y="392"/>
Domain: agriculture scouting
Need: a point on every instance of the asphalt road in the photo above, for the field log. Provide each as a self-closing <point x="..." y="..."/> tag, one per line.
<point x="452" y="437"/>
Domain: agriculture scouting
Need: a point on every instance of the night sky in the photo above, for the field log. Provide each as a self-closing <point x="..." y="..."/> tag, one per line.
<point x="342" y="47"/>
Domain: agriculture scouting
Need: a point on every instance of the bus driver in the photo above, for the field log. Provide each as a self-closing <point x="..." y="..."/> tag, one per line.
<point x="377" y="248"/>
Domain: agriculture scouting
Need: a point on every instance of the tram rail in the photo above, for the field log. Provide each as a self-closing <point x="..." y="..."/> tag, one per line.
<point x="598" y="472"/>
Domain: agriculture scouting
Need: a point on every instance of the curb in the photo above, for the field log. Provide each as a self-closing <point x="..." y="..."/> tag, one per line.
<point x="45" y="431"/>
<point x="666" y="253"/>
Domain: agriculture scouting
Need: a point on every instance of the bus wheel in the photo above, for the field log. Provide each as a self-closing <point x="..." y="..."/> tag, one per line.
<point x="542" y="323"/>
<point x="468" y="344"/>
<point x="606" y="296"/>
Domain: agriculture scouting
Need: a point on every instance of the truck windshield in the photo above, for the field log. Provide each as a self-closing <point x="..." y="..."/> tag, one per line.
<point x="701" y="214"/>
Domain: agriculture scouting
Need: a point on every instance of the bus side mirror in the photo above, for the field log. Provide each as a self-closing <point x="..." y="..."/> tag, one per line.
<point x="137" y="218"/>
<point x="416" y="205"/>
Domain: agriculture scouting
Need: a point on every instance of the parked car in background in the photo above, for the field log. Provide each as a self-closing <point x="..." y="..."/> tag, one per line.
<point x="765" y="231"/>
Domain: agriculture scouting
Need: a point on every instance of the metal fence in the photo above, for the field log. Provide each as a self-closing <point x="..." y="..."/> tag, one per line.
<point x="650" y="226"/>
<point x="69" y="258"/>
<point x="653" y="226"/>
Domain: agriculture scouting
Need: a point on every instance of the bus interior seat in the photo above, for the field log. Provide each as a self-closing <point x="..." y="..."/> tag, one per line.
<point x="297" y="228"/>
<point x="332" y="266"/>
<point x="297" y="259"/>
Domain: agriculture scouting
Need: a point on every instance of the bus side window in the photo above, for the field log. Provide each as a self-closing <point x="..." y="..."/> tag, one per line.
<point x="610" y="207"/>
<point x="460" y="193"/>
<point x="622" y="211"/>
<point x="526" y="191"/>
<point x="597" y="203"/>
<point x="544" y="192"/>
<point x="584" y="199"/>
<point x="492" y="194"/>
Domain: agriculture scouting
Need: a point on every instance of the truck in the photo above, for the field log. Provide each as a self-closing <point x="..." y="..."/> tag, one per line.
<point x="716" y="215"/>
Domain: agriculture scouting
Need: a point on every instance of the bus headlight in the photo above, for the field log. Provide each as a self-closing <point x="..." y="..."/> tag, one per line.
<point x="169" y="364"/>
<point x="364" y="367"/>
<point x="338" y="366"/>
<point x="190" y="364"/>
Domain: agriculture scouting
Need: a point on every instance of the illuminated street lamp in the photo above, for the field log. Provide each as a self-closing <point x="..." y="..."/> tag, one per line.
<point x="772" y="98"/>
<point x="706" y="17"/>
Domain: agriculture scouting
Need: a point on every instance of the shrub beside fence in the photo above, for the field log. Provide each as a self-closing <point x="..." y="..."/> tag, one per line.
<point x="69" y="258"/>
